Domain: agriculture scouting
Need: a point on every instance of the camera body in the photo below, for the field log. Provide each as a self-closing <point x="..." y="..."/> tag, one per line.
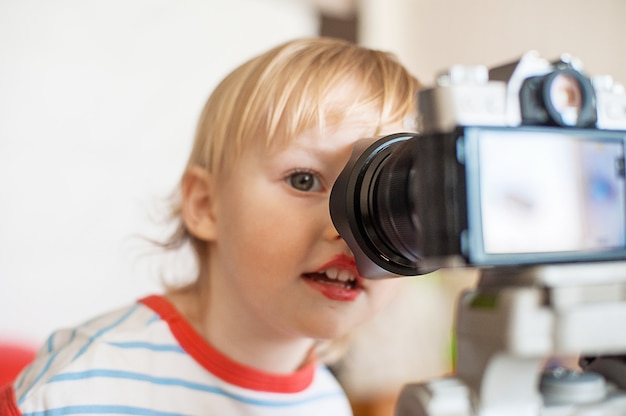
<point x="518" y="165"/>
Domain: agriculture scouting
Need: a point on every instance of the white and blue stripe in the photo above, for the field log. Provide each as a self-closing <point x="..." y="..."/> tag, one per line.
<point x="128" y="363"/>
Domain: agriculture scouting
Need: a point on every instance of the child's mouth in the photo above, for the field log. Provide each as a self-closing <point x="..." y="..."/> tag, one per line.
<point x="335" y="283"/>
<point x="334" y="276"/>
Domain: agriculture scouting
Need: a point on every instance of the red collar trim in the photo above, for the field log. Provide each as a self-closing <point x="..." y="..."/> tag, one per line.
<point x="219" y="364"/>
<point x="8" y="403"/>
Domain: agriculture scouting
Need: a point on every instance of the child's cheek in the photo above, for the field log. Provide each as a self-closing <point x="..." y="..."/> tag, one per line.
<point x="383" y="291"/>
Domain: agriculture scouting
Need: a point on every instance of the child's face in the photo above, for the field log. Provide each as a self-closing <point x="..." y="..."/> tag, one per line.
<point x="276" y="244"/>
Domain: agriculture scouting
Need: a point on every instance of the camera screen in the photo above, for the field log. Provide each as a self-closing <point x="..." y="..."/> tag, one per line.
<point x="550" y="191"/>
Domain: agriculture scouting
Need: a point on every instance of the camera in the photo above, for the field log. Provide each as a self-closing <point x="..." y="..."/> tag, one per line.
<point x="522" y="164"/>
<point x="519" y="171"/>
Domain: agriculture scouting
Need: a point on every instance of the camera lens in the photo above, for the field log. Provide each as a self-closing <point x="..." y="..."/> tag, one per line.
<point x="392" y="207"/>
<point x="371" y="207"/>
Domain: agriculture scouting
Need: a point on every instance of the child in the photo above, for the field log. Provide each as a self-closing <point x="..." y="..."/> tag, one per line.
<point x="274" y="277"/>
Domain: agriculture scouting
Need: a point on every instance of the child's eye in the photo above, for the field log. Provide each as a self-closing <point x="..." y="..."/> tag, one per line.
<point x="305" y="181"/>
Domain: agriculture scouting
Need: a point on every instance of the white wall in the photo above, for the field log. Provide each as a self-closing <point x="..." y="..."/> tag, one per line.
<point x="431" y="35"/>
<point x="98" y="103"/>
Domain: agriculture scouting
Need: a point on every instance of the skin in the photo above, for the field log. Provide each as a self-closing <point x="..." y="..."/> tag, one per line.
<point x="268" y="226"/>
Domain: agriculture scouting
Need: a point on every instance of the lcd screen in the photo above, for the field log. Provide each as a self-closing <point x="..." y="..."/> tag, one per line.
<point x="545" y="192"/>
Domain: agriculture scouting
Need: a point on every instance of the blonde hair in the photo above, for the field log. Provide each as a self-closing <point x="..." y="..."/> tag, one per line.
<point x="276" y="96"/>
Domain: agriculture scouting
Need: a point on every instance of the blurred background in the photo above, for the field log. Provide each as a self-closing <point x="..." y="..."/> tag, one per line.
<point x="98" y="104"/>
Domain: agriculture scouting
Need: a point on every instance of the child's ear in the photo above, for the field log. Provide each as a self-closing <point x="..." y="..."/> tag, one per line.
<point x="198" y="198"/>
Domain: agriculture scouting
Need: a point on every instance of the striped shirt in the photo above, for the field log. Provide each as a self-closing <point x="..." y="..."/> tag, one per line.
<point x="146" y="359"/>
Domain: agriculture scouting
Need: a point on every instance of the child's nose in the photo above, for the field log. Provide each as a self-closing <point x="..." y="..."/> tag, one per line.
<point x="330" y="232"/>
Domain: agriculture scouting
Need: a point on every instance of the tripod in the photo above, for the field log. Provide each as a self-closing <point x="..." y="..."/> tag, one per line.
<point x="512" y="323"/>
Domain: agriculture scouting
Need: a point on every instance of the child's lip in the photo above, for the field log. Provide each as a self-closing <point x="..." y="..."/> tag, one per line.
<point x="334" y="283"/>
<point x="335" y="292"/>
